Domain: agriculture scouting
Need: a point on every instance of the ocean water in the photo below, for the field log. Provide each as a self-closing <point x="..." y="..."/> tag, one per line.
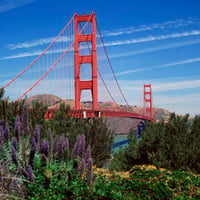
<point x="119" y="138"/>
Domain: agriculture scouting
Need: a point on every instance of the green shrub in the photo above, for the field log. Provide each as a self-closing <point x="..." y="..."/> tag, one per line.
<point x="173" y="145"/>
<point x="97" y="134"/>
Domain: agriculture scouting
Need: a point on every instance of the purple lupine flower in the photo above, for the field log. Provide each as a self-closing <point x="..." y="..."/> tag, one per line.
<point x="14" y="155"/>
<point x="6" y="132"/>
<point x="51" y="139"/>
<point x="89" y="164"/>
<point x="17" y="127"/>
<point x="45" y="148"/>
<point x="16" y="186"/>
<point x="23" y="151"/>
<point x="14" y="143"/>
<point x="32" y="151"/>
<point x="25" y="125"/>
<point x="17" y="120"/>
<point x="76" y="149"/>
<point x="91" y="177"/>
<point x="83" y="166"/>
<point x="82" y="144"/>
<point x="1" y="136"/>
<point x="66" y="146"/>
<point x="37" y="133"/>
<point x="30" y="174"/>
<point x="60" y="144"/>
<point x="88" y="153"/>
<point x="1" y="130"/>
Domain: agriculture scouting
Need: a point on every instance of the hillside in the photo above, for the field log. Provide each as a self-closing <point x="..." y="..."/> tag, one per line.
<point x="123" y="125"/>
<point x="117" y="124"/>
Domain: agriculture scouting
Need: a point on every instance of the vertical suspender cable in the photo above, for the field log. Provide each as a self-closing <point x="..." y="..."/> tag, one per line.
<point x="111" y="66"/>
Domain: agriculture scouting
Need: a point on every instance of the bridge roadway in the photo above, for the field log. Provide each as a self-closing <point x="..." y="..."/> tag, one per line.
<point x="84" y="113"/>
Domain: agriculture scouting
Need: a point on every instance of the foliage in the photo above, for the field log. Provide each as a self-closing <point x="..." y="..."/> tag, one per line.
<point x="126" y="157"/>
<point x="143" y="182"/>
<point x="97" y="134"/>
<point x="149" y="183"/>
<point x="57" y="164"/>
<point x="100" y="138"/>
<point x="37" y="115"/>
<point x="54" y="181"/>
<point x="173" y="145"/>
<point x="61" y="120"/>
<point x="36" y="162"/>
<point x="9" y="110"/>
<point x="26" y="168"/>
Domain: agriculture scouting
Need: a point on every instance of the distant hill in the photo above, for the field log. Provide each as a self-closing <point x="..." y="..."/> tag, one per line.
<point x="118" y="124"/>
<point x="123" y="125"/>
<point x="46" y="99"/>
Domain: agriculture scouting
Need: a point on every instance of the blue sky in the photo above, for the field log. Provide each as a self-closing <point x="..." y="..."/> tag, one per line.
<point x="155" y="42"/>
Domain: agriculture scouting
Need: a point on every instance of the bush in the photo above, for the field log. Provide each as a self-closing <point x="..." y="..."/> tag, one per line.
<point x="173" y="145"/>
<point x="98" y="136"/>
<point x="100" y="139"/>
<point x="37" y="116"/>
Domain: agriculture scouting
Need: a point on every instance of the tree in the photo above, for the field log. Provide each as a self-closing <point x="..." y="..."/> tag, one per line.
<point x="9" y="110"/>
<point x="173" y="145"/>
<point x="37" y="116"/>
<point x="100" y="139"/>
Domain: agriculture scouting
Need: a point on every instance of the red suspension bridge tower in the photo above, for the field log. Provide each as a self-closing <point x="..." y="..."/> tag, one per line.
<point x="148" y="100"/>
<point x="80" y="85"/>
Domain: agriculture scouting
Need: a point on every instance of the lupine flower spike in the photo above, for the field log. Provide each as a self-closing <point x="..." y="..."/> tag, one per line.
<point x="17" y="127"/>
<point x="30" y="174"/>
<point x="6" y="132"/>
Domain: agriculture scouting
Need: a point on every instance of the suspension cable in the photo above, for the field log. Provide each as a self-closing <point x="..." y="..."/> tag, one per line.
<point x="111" y="66"/>
<point x="39" y="55"/>
<point x="101" y="76"/>
<point x="53" y="64"/>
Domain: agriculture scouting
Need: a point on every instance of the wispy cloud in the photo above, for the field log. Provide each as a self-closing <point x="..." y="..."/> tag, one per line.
<point x="142" y="28"/>
<point x="176" y="85"/>
<point x="154" y="38"/>
<point x="176" y="99"/>
<point x="161" y="85"/>
<point x="168" y="24"/>
<point x="181" y="104"/>
<point x="21" y="55"/>
<point x="188" y="61"/>
<point x="7" y="5"/>
<point x="34" y="53"/>
<point x="153" y="49"/>
<point x="35" y="43"/>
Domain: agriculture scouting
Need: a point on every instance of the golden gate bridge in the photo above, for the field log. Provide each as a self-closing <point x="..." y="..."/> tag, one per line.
<point x="69" y="66"/>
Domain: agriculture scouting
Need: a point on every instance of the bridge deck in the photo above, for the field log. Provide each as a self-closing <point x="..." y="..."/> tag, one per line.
<point x="84" y="113"/>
